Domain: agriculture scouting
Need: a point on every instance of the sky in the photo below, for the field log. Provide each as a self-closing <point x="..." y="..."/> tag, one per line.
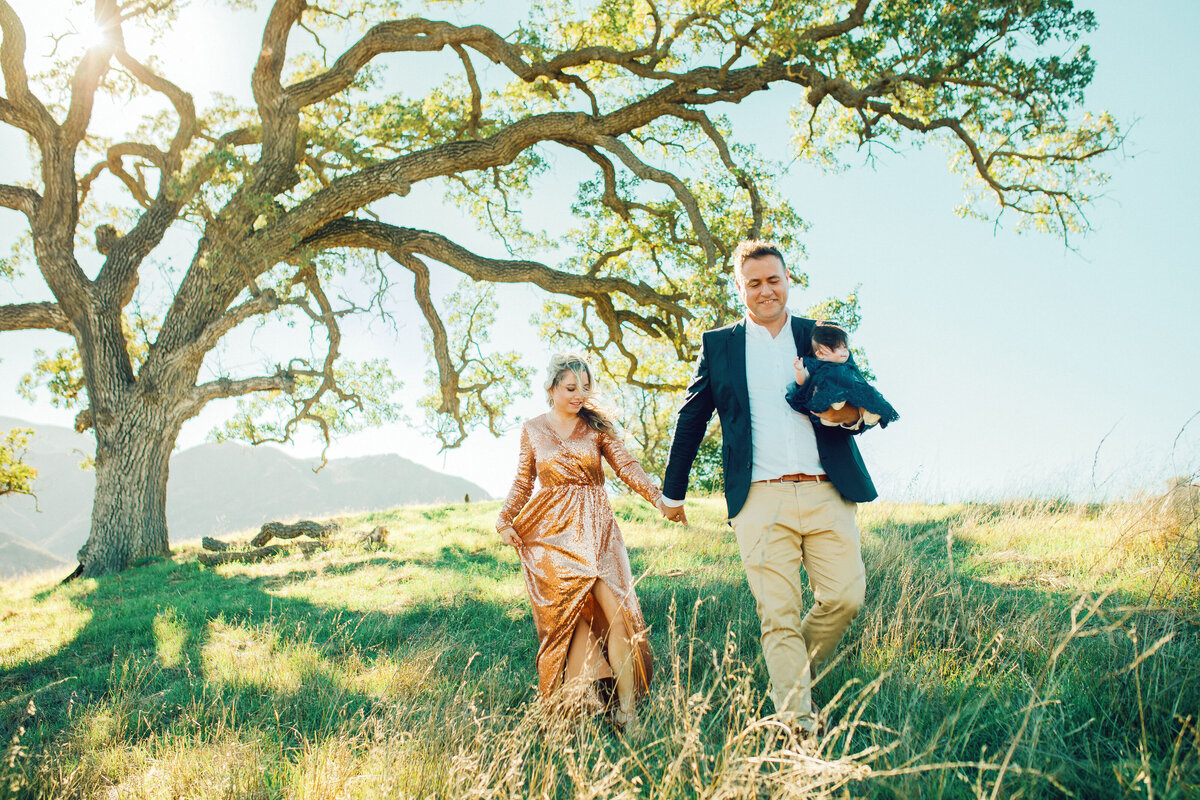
<point x="1020" y="367"/>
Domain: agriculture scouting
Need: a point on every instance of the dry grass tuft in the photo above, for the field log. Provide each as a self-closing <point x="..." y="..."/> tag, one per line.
<point x="1033" y="649"/>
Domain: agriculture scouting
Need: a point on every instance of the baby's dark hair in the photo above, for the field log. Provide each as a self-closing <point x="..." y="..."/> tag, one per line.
<point x="828" y="334"/>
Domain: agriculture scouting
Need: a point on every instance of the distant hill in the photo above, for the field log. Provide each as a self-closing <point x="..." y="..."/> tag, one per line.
<point x="18" y="556"/>
<point x="213" y="488"/>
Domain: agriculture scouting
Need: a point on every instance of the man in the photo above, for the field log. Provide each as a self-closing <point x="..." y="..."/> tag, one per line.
<point x="790" y="486"/>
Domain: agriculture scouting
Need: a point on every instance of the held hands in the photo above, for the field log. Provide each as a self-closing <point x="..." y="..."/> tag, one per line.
<point x="673" y="513"/>
<point x="509" y="537"/>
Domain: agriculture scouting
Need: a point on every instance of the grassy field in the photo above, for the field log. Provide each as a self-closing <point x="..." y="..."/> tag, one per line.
<point x="1030" y="650"/>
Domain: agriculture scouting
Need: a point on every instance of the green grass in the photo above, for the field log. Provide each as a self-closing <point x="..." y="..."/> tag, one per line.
<point x="1004" y="650"/>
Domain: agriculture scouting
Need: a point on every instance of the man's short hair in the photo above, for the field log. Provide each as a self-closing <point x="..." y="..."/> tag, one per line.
<point x="755" y="248"/>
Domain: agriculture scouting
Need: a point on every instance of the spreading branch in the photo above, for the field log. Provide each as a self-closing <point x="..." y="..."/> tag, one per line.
<point x="744" y="179"/>
<point x="304" y="407"/>
<point x="348" y="193"/>
<point x="305" y="383"/>
<point x="34" y="316"/>
<point x="405" y="244"/>
<point x="275" y="170"/>
<point x="472" y="126"/>
<point x="222" y="388"/>
<point x="20" y="108"/>
<point x="266" y="302"/>
<point x="113" y="163"/>
<point x="119" y="276"/>
<point x="682" y="193"/>
<point x="819" y="33"/>
<point x="395" y="240"/>
<point x="447" y="374"/>
<point x="19" y="198"/>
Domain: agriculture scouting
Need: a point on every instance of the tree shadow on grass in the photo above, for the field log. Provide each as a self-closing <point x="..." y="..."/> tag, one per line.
<point x="156" y="634"/>
<point x="172" y="636"/>
<point x="168" y="638"/>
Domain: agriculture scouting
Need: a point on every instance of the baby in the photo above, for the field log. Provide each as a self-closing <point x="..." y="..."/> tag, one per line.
<point x="833" y="380"/>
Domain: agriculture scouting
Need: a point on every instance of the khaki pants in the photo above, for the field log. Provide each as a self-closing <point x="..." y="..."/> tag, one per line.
<point x="782" y="526"/>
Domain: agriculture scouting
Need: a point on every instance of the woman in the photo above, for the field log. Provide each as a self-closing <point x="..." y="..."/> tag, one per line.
<point x="588" y="621"/>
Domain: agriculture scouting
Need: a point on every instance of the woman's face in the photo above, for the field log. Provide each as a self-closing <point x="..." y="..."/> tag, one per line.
<point x="568" y="394"/>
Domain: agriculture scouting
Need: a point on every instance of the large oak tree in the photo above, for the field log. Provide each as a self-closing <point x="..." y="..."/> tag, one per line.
<point x="280" y="196"/>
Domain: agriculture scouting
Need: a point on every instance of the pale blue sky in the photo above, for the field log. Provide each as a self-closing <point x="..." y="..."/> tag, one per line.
<point x="1009" y="357"/>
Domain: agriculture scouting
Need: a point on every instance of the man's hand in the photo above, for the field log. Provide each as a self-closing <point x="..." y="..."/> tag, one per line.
<point x="673" y="513"/>
<point x="845" y="415"/>
<point x="509" y="537"/>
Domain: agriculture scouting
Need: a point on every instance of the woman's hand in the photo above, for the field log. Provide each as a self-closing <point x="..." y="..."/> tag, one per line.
<point x="509" y="537"/>
<point x="673" y="513"/>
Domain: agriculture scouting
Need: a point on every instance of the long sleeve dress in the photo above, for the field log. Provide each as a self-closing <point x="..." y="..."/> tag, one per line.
<point x="570" y="539"/>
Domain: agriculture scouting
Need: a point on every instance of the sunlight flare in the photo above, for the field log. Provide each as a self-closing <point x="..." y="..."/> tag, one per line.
<point x="92" y="34"/>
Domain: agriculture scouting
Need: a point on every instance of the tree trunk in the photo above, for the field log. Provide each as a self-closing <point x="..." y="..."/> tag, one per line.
<point x="129" y="512"/>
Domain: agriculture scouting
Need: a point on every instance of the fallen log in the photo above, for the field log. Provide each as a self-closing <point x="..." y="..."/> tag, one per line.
<point x="216" y="545"/>
<point x="258" y="554"/>
<point x="278" y="530"/>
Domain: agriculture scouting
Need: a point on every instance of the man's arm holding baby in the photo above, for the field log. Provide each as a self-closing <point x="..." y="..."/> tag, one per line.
<point x="849" y="417"/>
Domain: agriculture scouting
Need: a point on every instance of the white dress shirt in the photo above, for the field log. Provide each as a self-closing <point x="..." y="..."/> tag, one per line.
<point x="782" y="440"/>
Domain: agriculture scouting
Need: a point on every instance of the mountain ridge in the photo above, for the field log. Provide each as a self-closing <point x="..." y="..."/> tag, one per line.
<point x="18" y="556"/>
<point x="213" y="488"/>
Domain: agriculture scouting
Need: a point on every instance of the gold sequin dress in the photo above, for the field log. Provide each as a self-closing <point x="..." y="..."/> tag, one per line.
<point x="570" y="539"/>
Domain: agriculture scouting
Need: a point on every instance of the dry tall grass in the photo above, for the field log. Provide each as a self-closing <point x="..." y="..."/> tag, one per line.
<point x="1033" y="650"/>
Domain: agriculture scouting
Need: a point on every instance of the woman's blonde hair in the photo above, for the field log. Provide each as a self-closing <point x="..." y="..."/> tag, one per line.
<point x="597" y="418"/>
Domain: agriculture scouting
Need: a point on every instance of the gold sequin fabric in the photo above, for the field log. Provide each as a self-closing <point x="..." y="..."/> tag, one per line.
<point x="570" y="540"/>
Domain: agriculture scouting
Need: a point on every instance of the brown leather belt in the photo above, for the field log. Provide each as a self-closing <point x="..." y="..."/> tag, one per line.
<point x="797" y="477"/>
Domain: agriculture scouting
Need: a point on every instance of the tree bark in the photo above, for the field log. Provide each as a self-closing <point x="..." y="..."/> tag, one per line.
<point x="129" y="512"/>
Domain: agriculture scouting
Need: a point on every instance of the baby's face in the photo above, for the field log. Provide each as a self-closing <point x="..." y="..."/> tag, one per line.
<point x="837" y="354"/>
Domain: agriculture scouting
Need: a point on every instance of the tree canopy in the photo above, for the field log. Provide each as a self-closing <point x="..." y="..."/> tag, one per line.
<point x="281" y="199"/>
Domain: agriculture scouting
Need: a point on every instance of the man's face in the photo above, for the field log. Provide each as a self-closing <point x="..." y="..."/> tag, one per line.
<point x="763" y="286"/>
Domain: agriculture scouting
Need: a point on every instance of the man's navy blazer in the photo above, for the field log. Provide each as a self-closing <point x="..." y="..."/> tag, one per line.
<point x="720" y="384"/>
